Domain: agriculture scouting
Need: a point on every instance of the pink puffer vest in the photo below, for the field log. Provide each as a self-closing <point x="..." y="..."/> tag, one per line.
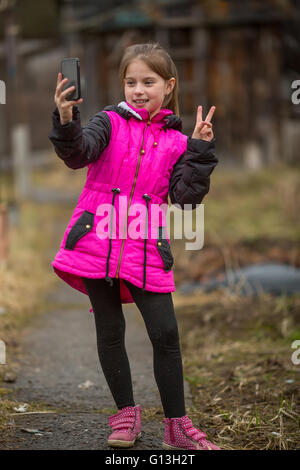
<point x="134" y="169"/>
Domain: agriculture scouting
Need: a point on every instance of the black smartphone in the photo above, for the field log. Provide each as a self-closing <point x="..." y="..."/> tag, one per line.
<point x="70" y="68"/>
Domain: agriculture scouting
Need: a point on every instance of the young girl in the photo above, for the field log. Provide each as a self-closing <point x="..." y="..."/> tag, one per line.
<point x="136" y="156"/>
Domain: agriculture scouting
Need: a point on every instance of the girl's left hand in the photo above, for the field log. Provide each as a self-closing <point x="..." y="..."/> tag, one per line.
<point x="203" y="129"/>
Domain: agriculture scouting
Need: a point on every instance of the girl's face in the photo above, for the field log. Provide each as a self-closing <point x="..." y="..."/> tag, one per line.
<point x="141" y="83"/>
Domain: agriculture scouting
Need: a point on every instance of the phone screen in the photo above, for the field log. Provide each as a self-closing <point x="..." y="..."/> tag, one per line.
<point x="70" y="68"/>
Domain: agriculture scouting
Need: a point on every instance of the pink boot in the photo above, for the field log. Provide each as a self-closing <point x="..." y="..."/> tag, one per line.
<point x="126" y="425"/>
<point x="181" y="434"/>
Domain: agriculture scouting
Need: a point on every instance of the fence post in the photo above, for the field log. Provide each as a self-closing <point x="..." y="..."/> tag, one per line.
<point x="4" y="231"/>
<point x="20" y="151"/>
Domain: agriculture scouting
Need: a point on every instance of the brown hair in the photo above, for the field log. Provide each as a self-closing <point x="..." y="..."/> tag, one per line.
<point x="158" y="60"/>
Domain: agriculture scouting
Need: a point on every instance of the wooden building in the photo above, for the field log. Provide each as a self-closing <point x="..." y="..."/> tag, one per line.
<point x="241" y="57"/>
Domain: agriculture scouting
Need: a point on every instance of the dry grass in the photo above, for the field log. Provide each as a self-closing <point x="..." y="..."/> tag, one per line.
<point x="237" y="359"/>
<point x="253" y="205"/>
<point x="60" y="177"/>
<point x="248" y="218"/>
<point x="237" y="351"/>
<point x="24" y="278"/>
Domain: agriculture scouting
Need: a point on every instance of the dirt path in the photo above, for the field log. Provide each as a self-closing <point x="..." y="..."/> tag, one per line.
<point x="58" y="354"/>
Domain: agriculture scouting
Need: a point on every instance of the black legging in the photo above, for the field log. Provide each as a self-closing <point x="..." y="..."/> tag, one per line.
<point x="158" y="312"/>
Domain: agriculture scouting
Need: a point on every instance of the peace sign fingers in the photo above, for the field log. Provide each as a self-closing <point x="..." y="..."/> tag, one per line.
<point x="200" y="123"/>
<point x="203" y="129"/>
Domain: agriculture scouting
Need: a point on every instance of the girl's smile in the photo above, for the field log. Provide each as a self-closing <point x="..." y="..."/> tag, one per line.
<point x="140" y="102"/>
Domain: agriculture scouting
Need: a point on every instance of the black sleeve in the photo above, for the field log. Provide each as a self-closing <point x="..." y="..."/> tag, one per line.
<point x="190" y="179"/>
<point x="79" y="146"/>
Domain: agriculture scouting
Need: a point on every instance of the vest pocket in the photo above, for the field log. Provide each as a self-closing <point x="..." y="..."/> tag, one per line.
<point x="164" y="249"/>
<point x="82" y="226"/>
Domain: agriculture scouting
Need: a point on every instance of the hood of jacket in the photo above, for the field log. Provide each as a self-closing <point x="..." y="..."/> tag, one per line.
<point x="165" y="117"/>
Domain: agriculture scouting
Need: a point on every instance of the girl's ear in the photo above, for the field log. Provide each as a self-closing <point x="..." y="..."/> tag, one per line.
<point x="171" y="84"/>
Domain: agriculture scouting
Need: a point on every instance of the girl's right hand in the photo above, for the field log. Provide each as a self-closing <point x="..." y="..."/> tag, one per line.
<point x="64" y="106"/>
